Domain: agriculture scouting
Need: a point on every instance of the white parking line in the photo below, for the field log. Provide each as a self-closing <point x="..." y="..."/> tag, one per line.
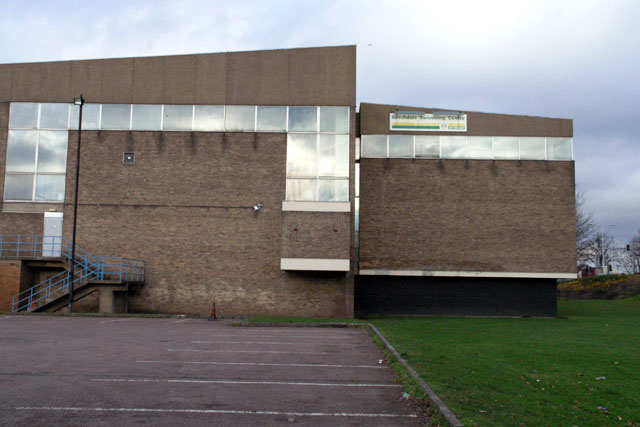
<point x="296" y="365"/>
<point x="273" y="343"/>
<point x="250" y="351"/>
<point x="283" y="336"/>
<point x="115" y="320"/>
<point x="180" y="321"/>
<point x="216" y="411"/>
<point x="127" y="380"/>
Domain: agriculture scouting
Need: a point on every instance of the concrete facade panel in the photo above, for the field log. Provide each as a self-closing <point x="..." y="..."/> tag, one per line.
<point x="5" y="82"/>
<point x="475" y="215"/>
<point x="179" y="79"/>
<point x="57" y="81"/>
<point x="27" y="82"/>
<point x="86" y="79"/>
<point x="117" y="81"/>
<point x="257" y="78"/>
<point x="148" y="80"/>
<point x="313" y="76"/>
<point x="374" y="120"/>
<point x="211" y="79"/>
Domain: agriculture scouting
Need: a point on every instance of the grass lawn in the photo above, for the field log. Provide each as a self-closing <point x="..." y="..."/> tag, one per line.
<point x="530" y="371"/>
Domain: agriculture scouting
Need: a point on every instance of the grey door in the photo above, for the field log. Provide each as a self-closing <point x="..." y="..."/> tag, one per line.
<point x="52" y="235"/>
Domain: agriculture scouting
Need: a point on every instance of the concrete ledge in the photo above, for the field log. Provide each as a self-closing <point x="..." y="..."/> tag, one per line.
<point x="314" y="264"/>
<point x="444" y="410"/>
<point x="501" y="274"/>
<point x="316" y="206"/>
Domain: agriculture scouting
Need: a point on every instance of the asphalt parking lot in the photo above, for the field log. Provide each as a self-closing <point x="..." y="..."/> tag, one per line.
<point x="182" y="371"/>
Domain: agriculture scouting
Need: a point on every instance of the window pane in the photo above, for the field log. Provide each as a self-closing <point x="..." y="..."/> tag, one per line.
<point x="400" y="146"/>
<point x="115" y="116"/>
<point x="18" y="187"/>
<point x="559" y="148"/>
<point x="505" y="147"/>
<point x="90" y="116"/>
<point x="333" y="155"/>
<point x="23" y="115"/>
<point x="50" y="187"/>
<point x="208" y="118"/>
<point x="52" y="151"/>
<point x="146" y="117"/>
<point x="272" y="118"/>
<point x="479" y="147"/>
<point x="303" y="119"/>
<point x="301" y="189"/>
<point x="333" y="190"/>
<point x="54" y="116"/>
<point x="334" y="119"/>
<point x="21" y="150"/>
<point x="240" y="118"/>
<point x="428" y="146"/>
<point x="301" y="155"/>
<point x="532" y="148"/>
<point x="453" y="147"/>
<point x="177" y="117"/>
<point x="374" y="146"/>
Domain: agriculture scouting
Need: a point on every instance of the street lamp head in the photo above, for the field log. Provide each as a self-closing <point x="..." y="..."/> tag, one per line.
<point x="78" y="101"/>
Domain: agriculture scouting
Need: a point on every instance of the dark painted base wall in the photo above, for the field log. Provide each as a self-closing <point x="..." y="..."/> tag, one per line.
<point x="462" y="296"/>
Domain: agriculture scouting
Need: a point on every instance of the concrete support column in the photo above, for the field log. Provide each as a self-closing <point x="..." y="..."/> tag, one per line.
<point x="113" y="301"/>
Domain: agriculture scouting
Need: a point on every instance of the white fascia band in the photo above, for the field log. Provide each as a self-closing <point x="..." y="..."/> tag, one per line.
<point x="505" y="274"/>
<point x="314" y="264"/>
<point x="316" y="206"/>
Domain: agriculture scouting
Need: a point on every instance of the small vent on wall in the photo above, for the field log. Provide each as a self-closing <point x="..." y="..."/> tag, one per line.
<point x="129" y="158"/>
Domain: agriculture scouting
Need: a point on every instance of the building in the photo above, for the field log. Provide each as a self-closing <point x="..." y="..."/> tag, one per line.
<point x="233" y="176"/>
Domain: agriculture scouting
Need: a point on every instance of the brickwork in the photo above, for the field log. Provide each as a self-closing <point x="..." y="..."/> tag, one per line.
<point x="186" y="208"/>
<point x="467" y="215"/>
<point x="316" y="235"/>
<point x="10" y="279"/>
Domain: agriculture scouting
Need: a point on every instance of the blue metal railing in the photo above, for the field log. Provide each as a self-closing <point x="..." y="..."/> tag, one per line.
<point x="88" y="267"/>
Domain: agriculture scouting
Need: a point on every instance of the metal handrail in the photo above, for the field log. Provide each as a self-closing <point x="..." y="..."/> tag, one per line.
<point x="89" y="267"/>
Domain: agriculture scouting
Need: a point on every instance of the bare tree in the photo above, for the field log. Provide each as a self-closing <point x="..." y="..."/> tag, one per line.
<point x="631" y="257"/>
<point x="584" y="229"/>
<point x="601" y="250"/>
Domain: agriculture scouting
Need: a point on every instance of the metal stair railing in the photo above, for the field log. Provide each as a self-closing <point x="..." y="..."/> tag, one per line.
<point x="89" y="267"/>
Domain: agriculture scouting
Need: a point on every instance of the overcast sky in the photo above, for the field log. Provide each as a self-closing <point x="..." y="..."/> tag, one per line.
<point x="569" y="59"/>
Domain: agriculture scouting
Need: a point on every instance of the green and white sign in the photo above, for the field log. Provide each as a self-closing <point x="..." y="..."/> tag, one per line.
<point x="428" y="122"/>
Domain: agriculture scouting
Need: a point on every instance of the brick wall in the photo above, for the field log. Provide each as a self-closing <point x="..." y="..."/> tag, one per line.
<point x="467" y="215"/>
<point x="10" y="277"/>
<point x="316" y="235"/>
<point x="186" y="208"/>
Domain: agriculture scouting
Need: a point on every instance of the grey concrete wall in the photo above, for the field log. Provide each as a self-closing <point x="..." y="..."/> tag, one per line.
<point x="309" y="76"/>
<point x="374" y="120"/>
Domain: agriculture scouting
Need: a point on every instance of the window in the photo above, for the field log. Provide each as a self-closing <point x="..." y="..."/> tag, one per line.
<point x="36" y="165"/>
<point x="318" y="154"/>
<point x="428" y="146"/>
<point x="374" y="146"/>
<point x="532" y="148"/>
<point x="145" y="117"/>
<point x="116" y="116"/>
<point x="400" y="146"/>
<point x="453" y="147"/>
<point x="177" y="117"/>
<point x="272" y="119"/>
<point x="208" y="118"/>
<point x="467" y="147"/>
<point x="239" y="118"/>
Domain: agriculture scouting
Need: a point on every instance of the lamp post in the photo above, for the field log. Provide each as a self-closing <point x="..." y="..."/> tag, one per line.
<point x="80" y="103"/>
